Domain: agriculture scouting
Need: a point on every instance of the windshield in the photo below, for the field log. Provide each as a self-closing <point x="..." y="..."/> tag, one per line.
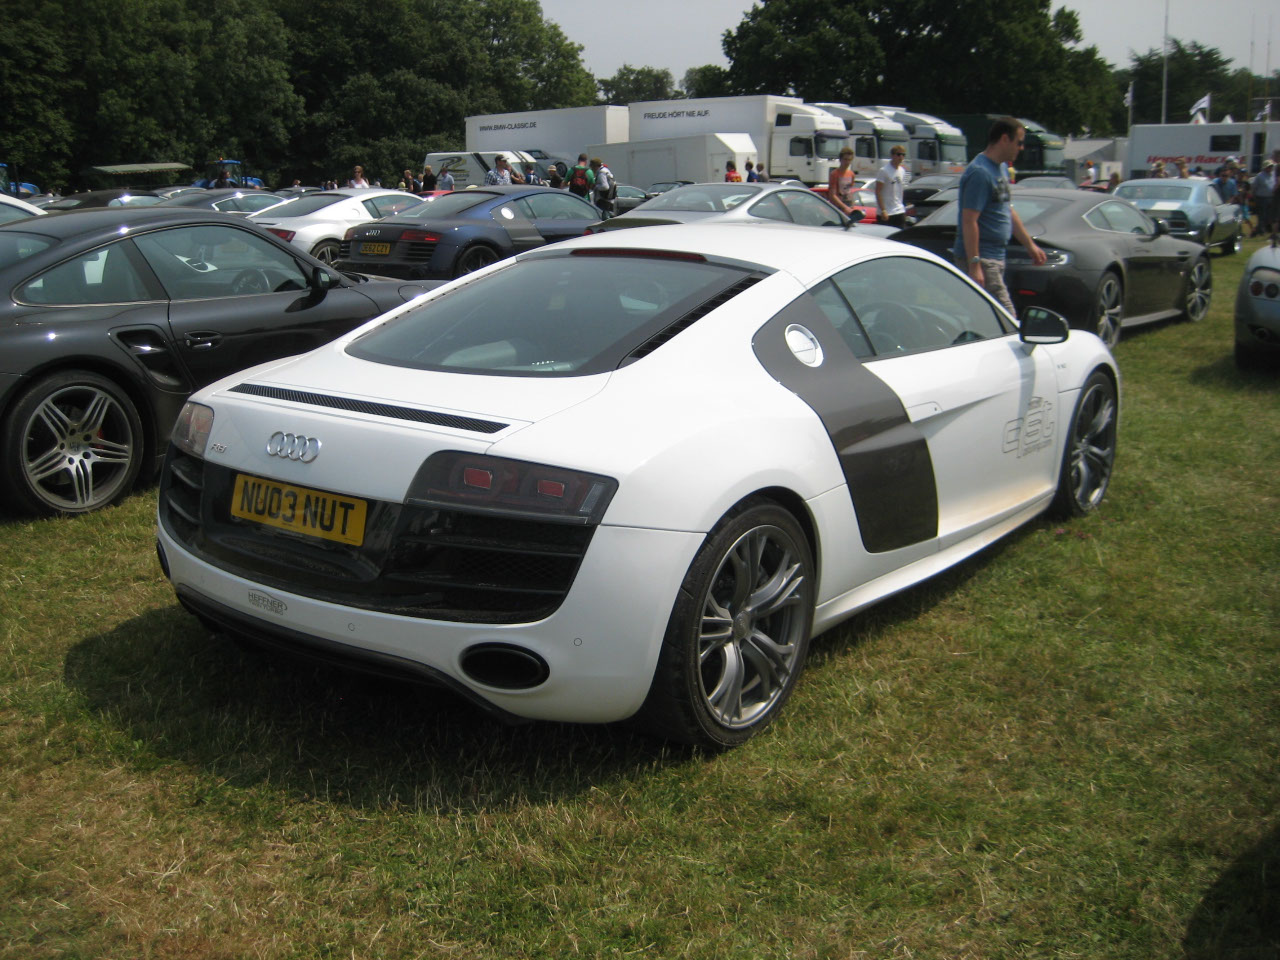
<point x="1153" y="191"/>
<point x="15" y="246"/>
<point x="308" y="203"/>
<point x="547" y="316"/>
<point x="447" y="204"/>
<point x="829" y="145"/>
<point x="954" y="149"/>
<point x="1029" y="208"/>
<point x="890" y="140"/>
<point x="703" y="197"/>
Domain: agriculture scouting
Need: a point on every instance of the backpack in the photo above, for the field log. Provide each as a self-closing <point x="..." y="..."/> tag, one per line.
<point x="578" y="182"/>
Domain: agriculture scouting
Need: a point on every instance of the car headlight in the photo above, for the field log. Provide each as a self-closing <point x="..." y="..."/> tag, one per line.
<point x="1265" y="282"/>
<point x="455" y="480"/>
<point x="192" y="429"/>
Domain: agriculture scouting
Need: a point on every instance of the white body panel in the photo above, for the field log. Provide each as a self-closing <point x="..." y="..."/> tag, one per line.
<point x="700" y="158"/>
<point x="872" y="135"/>
<point x="562" y="133"/>
<point x="1204" y="145"/>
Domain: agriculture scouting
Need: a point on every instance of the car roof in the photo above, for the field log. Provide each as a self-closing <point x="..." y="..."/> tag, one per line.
<point x="63" y="224"/>
<point x="807" y="253"/>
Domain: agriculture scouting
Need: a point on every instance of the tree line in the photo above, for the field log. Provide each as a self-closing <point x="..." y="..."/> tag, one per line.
<point x="308" y="88"/>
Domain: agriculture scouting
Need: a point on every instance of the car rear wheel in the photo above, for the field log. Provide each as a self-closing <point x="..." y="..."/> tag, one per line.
<point x="326" y="251"/>
<point x="72" y="443"/>
<point x="1198" y="291"/>
<point x="1091" y="450"/>
<point x="1109" y="309"/>
<point x="473" y="259"/>
<point x="739" y="632"/>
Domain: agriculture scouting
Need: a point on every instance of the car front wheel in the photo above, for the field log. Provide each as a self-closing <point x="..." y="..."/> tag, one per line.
<point x="1198" y="291"/>
<point x="1109" y="309"/>
<point x="72" y="443"/>
<point x="1091" y="450"/>
<point x="738" y="635"/>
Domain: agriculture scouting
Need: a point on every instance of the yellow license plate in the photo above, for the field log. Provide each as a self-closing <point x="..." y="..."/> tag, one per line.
<point x="314" y="513"/>
<point x="378" y="248"/>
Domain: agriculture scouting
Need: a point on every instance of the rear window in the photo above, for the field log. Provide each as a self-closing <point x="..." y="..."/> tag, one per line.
<point x="448" y="204"/>
<point x="547" y="316"/>
<point x="711" y="197"/>
<point x="307" y="204"/>
<point x="15" y="246"/>
<point x="1153" y="191"/>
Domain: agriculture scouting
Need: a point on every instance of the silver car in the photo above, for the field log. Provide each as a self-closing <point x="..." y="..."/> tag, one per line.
<point x="1191" y="208"/>
<point x="1258" y="309"/>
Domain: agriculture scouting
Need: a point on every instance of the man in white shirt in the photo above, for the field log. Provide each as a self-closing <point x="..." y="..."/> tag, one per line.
<point x="603" y="190"/>
<point x="890" y="182"/>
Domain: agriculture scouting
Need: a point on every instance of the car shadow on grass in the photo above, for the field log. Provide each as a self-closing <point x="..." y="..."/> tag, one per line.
<point x="175" y="692"/>
<point x="1239" y="916"/>
<point x="1222" y="373"/>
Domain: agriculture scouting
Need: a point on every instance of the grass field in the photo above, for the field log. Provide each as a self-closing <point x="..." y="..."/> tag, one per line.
<point x="1067" y="747"/>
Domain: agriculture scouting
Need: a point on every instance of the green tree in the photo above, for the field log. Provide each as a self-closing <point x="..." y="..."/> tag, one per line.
<point x="631" y="84"/>
<point x="710" y="80"/>
<point x="39" y="87"/>
<point x="1194" y="70"/>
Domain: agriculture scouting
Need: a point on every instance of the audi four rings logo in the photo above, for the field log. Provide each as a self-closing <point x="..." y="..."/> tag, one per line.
<point x="292" y="446"/>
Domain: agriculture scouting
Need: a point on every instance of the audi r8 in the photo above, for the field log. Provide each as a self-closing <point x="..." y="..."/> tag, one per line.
<point x="631" y="475"/>
<point x="315" y="221"/>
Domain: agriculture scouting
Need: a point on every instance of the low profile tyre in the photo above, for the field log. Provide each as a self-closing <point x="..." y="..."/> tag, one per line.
<point x="1108" y="309"/>
<point x="326" y="251"/>
<point x="72" y="443"/>
<point x="738" y="635"/>
<point x="1091" y="450"/>
<point x="473" y="259"/>
<point x="1198" y="291"/>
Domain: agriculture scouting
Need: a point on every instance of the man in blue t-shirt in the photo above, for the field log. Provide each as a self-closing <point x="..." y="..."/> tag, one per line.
<point x="987" y="219"/>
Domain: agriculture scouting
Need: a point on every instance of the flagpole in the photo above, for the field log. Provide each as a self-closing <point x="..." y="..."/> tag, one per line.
<point x="1164" y="88"/>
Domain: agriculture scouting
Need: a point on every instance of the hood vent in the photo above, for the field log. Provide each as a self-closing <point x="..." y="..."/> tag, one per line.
<point x="391" y="411"/>
<point x="688" y="319"/>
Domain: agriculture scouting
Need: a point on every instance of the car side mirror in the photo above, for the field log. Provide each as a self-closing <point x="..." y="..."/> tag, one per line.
<point x="1162" y="227"/>
<point x="1040" y="325"/>
<point x="319" y="281"/>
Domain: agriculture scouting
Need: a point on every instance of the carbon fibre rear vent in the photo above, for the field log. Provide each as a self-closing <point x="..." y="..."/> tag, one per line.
<point x="688" y="319"/>
<point x="389" y="410"/>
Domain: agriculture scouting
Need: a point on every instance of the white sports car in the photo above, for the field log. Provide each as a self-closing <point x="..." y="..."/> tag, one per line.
<point x="317" y="222"/>
<point x="631" y="475"/>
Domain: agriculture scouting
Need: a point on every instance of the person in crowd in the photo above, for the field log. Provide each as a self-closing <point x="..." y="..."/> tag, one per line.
<point x="1089" y="174"/>
<point x="840" y="183"/>
<point x="987" y="218"/>
<point x="410" y="182"/>
<point x="357" y="177"/>
<point x="555" y="179"/>
<point x="752" y="176"/>
<point x="1113" y="182"/>
<point x="531" y="175"/>
<point x="604" y="189"/>
<point x="1264" y="197"/>
<point x="501" y="174"/>
<point x="223" y="181"/>
<point x="762" y="175"/>
<point x="891" y="182"/>
<point x="1225" y="182"/>
<point x="1157" y="170"/>
<point x="581" y="178"/>
<point x="445" y="180"/>
<point x="1184" y="172"/>
<point x="429" y="180"/>
<point x="731" y="174"/>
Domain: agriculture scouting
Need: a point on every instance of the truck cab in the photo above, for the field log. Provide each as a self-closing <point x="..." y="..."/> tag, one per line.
<point x="936" y="147"/>
<point x="872" y="135"/>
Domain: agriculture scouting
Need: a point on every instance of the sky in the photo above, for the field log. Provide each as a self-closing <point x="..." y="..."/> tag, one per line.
<point x="679" y="34"/>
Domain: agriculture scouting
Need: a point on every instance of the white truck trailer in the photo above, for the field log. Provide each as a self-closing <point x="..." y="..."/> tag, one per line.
<point x="796" y="140"/>
<point x="936" y="146"/>
<point x="872" y="135"/>
<point x="700" y="158"/>
<point x="1204" y="145"/>
<point x="548" y="134"/>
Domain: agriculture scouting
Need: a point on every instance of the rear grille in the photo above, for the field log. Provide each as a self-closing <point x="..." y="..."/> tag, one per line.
<point x="419" y="252"/>
<point x="344" y="249"/>
<point x="416" y="561"/>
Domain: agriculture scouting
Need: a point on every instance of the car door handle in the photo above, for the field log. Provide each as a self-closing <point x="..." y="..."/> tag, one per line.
<point x="202" y="340"/>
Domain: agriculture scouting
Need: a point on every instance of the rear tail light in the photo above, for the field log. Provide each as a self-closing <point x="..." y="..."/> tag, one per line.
<point x="285" y="235"/>
<point x="419" y="236"/>
<point x="1265" y="283"/>
<point x="456" y="480"/>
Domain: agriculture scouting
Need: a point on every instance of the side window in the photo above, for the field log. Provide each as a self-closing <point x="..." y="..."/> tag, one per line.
<point x="907" y="305"/>
<point x="385" y="206"/>
<point x="512" y="210"/>
<point x="1214" y="196"/>
<point x="197" y="263"/>
<point x="801" y="147"/>
<point x="927" y="150"/>
<point x="771" y="208"/>
<point x="809" y="209"/>
<point x="1126" y="219"/>
<point x="832" y="303"/>
<point x="559" y="206"/>
<point x="865" y="147"/>
<point x="104" y="275"/>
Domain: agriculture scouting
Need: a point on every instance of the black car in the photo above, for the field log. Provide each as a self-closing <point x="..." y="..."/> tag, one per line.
<point x="115" y="197"/>
<point x="233" y="200"/>
<point x="1109" y="264"/>
<point x="455" y="233"/>
<point x="919" y="190"/>
<point x="110" y="318"/>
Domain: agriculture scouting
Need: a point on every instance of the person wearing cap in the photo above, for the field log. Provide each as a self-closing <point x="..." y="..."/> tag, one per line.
<point x="501" y="174"/>
<point x="1264" y="197"/>
<point x="891" y="181"/>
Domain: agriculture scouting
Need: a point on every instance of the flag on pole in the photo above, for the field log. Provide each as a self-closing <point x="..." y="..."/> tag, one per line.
<point x="1228" y="119"/>
<point x="1265" y="112"/>
<point x="1128" y="96"/>
<point x="1201" y="104"/>
<point x="1198" y="118"/>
